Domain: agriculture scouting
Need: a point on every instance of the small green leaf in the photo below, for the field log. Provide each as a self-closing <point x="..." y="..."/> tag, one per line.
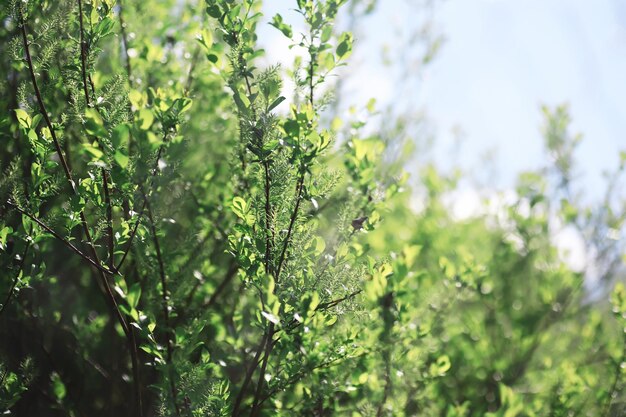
<point x="23" y="118"/>
<point x="145" y="119"/>
<point x="93" y="151"/>
<point x="275" y="103"/>
<point x="345" y="45"/>
<point x="58" y="387"/>
<point x="120" y="136"/>
<point x="4" y="233"/>
<point x="94" y="125"/>
<point x="270" y="317"/>
<point x="279" y="24"/>
<point x="121" y="159"/>
<point x="133" y="296"/>
<point x="240" y="207"/>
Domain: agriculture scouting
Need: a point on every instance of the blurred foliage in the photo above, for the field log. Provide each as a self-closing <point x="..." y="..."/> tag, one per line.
<point x="178" y="238"/>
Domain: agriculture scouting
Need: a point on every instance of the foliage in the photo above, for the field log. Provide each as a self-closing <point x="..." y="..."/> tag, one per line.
<point x="181" y="235"/>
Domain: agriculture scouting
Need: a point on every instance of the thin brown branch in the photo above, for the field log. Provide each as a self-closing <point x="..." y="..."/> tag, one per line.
<point x="141" y="211"/>
<point x="165" y="301"/>
<point x="129" y="71"/>
<point x="299" y="375"/>
<point x="83" y="51"/>
<point x="60" y="238"/>
<point x="15" y="279"/>
<point x="269" y="345"/>
<point x="248" y="377"/>
<point x="292" y="221"/>
<point x="110" y="298"/>
<point x="616" y="380"/>
<point x="268" y="218"/>
<point x="218" y="291"/>
<point x="192" y="67"/>
<point x="40" y="103"/>
<point x="109" y="210"/>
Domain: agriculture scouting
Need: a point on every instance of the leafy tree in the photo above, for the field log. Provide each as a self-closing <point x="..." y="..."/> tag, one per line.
<point x="182" y="236"/>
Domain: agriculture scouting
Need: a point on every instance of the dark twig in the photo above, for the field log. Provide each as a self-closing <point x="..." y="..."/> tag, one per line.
<point x="15" y="279"/>
<point x="64" y="164"/>
<point x="109" y="210"/>
<point x="616" y="380"/>
<point x="292" y="221"/>
<point x="83" y="52"/>
<point x="42" y="107"/>
<point x="268" y="217"/>
<point x="248" y="378"/>
<point x="165" y="300"/>
<point x="143" y="207"/>
<point x="60" y="238"/>
<point x="129" y="71"/>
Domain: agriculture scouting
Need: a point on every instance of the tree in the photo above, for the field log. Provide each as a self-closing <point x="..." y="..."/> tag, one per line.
<point x="175" y="243"/>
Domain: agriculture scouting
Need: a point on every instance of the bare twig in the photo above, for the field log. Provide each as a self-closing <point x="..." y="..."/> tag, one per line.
<point x="141" y="211"/>
<point x="15" y="279"/>
<point x="129" y="71"/>
<point x="165" y="301"/>
<point x="60" y="238"/>
<point x="292" y="221"/>
<point x="109" y="210"/>
<point x="616" y="380"/>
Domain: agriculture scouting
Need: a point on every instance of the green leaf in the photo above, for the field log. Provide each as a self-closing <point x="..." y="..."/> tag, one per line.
<point x="121" y="158"/>
<point x="292" y="128"/>
<point x="58" y="387"/>
<point x="133" y="295"/>
<point x="345" y="45"/>
<point x="326" y="33"/>
<point x="275" y="103"/>
<point x="214" y="11"/>
<point x="240" y="207"/>
<point x="145" y="119"/>
<point x="36" y="119"/>
<point x="120" y="136"/>
<point x="279" y="24"/>
<point x="441" y="366"/>
<point x="23" y="118"/>
<point x="93" y="151"/>
<point x="320" y="245"/>
<point x="270" y="317"/>
<point x="4" y="233"/>
<point x="94" y="125"/>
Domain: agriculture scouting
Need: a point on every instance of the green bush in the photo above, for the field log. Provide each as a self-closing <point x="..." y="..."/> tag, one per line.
<point x="173" y="243"/>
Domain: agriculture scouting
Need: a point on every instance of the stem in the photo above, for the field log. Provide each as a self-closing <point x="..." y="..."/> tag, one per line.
<point x="129" y="71"/>
<point x="42" y="107"/>
<point x="15" y="280"/>
<point x="61" y="239"/>
<point x="83" y="52"/>
<point x="311" y="72"/>
<point x="256" y="405"/>
<point x="110" y="298"/>
<point x="248" y="377"/>
<point x="143" y="207"/>
<point x="387" y="388"/>
<point x="164" y="297"/>
<point x="292" y="221"/>
<point x="229" y="276"/>
<point x="109" y="209"/>
<point x="268" y="216"/>
<point x="267" y="335"/>
<point x="192" y="66"/>
<point x="616" y="380"/>
<point x="105" y="185"/>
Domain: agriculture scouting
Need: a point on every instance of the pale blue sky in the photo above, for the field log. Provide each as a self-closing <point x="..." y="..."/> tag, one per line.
<point x="500" y="61"/>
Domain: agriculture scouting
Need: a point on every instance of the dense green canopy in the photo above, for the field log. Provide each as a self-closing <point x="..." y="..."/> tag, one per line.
<point x="181" y="235"/>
